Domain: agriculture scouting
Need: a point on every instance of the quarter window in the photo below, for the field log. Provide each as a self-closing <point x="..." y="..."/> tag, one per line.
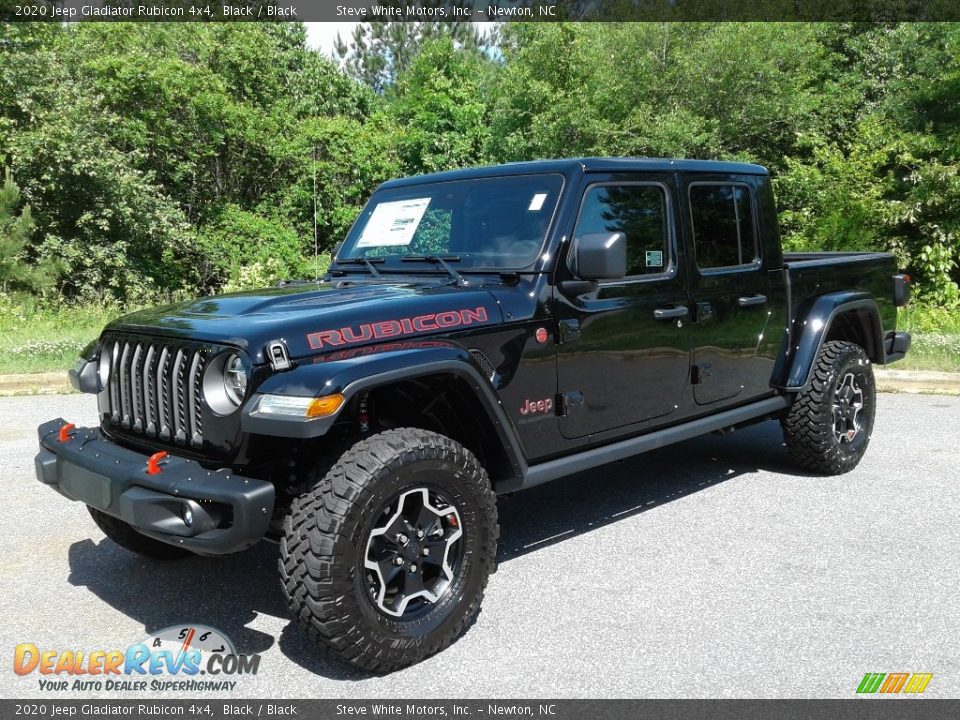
<point x="639" y="212"/>
<point x="722" y="218"/>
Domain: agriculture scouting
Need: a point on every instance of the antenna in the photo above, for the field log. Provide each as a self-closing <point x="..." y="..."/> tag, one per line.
<point x="316" y="241"/>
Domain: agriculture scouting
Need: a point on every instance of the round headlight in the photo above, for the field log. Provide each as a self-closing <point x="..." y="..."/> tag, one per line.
<point x="234" y="379"/>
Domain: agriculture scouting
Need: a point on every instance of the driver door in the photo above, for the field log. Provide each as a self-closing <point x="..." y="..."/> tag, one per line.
<point x="624" y="354"/>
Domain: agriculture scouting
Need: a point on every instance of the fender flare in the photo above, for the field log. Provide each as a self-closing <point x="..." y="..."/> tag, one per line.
<point x="350" y="377"/>
<point x="813" y="325"/>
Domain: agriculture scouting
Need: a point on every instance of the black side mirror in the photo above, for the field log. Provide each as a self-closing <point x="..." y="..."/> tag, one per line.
<point x="601" y="256"/>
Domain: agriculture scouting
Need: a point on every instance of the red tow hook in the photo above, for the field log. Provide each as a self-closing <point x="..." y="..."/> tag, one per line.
<point x="65" y="432"/>
<point x="153" y="463"/>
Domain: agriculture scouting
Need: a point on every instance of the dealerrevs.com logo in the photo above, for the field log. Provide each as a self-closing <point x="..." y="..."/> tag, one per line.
<point x="185" y="658"/>
<point x="894" y="683"/>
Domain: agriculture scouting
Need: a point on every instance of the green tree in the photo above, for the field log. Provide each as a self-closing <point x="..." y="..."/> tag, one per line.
<point x="15" y="229"/>
<point x="380" y="51"/>
<point x="439" y="104"/>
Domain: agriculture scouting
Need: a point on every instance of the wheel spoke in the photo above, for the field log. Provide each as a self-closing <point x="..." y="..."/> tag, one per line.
<point x="427" y="520"/>
<point x="436" y="553"/>
<point x="389" y="570"/>
<point x="415" y="532"/>
<point x="412" y="583"/>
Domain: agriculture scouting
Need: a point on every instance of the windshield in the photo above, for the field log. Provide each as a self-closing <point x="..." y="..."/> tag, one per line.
<point x="498" y="222"/>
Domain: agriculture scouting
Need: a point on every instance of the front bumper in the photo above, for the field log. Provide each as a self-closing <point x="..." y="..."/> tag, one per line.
<point x="228" y="512"/>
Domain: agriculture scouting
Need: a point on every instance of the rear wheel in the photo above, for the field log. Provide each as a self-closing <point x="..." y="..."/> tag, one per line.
<point x="124" y="535"/>
<point x="385" y="562"/>
<point x="828" y="426"/>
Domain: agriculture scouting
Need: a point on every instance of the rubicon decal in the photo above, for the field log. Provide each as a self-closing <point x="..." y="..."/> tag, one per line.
<point x="365" y="332"/>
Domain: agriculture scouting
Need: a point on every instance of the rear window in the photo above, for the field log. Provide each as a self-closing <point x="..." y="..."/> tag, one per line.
<point x="723" y="231"/>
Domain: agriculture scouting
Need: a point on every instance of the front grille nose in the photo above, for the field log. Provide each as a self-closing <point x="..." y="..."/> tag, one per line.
<point x="155" y="389"/>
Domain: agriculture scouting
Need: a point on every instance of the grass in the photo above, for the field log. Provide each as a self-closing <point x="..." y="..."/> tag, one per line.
<point x="37" y="338"/>
<point x="40" y="338"/>
<point x="936" y="338"/>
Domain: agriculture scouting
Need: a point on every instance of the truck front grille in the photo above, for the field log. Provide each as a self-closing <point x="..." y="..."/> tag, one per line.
<point x="155" y="388"/>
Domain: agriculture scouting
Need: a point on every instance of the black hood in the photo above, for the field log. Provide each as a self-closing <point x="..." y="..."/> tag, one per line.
<point x="318" y="317"/>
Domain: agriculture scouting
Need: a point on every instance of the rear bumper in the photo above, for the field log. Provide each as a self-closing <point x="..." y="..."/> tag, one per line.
<point x="895" y="346"/>
<point x="227" y="512"/>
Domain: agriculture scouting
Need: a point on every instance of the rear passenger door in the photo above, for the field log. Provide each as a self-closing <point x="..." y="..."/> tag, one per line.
<point x="729" y="287"/>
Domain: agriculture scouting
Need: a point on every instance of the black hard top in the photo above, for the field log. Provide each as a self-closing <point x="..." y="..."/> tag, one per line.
<point x="572" y="166"/>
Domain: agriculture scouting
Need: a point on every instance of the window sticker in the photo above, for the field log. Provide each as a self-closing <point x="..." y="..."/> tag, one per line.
<point x="654" y="258"/>
<point x="393" y="223"/>
<point x="537" y="202"/>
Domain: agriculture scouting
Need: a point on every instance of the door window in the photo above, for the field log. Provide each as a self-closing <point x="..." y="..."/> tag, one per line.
<point x="723" y="232"/>
<point x="640" y="213"/>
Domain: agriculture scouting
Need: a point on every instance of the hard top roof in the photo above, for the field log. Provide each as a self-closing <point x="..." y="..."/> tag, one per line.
<point x="574" y="166"/>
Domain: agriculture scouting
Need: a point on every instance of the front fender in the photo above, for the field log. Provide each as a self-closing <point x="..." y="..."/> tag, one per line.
<point x="355" y="371"/>
<point x="812" y="326"/>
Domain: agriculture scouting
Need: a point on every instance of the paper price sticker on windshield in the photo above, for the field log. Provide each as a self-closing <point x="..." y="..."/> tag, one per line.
<point x="654" y="258"/>
<point x="393" y="223"/>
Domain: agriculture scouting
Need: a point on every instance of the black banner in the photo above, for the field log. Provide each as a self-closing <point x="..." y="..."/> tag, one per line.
<point x="478" y="10"/>
<point x="207" y="709"/>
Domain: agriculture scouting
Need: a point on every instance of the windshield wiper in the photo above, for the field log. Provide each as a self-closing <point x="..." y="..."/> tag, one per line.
<point x="368" y="262"/>
<point x="442" y="262"/>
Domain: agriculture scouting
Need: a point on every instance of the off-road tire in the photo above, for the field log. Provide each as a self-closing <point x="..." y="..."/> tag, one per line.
<point x="809" y="429"/>
<point x="124" y="535"/>
<point x="325" y="541"/>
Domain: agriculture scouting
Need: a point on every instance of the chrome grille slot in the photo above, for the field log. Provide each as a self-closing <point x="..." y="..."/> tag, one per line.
<point x="193" y="398"/>
<point x="179" y="434"/>
<point x="136" y="391"/>
<point x="114" y="384"/>
<point x="149" y="393"/>
<point x="125" y="386"/>
<point x="163" y="384"/>
<point x="156" y="389"/>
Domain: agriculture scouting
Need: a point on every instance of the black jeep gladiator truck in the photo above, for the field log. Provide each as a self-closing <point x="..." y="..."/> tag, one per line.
<point x="479" y="332"/>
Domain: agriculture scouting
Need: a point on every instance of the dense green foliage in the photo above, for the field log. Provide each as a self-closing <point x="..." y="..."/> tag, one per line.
<point x="159" y="159"/>
<point x="378" y="53"/>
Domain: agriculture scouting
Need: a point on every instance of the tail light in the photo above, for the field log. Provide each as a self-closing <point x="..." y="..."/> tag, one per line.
<point x="901" y="289"/>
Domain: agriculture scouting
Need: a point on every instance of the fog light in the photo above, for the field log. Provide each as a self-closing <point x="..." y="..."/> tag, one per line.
<point x="187" y="516"/>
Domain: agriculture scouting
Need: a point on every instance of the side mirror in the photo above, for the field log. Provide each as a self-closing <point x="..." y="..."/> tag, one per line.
<point x="601" y="256"/>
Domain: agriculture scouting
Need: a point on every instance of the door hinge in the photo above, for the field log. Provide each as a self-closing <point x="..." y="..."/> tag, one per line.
<point x="568" y="401"/>
<point x="569" y="330"/>
<point x="704" y="311"/>
<point x="699" y="372"/>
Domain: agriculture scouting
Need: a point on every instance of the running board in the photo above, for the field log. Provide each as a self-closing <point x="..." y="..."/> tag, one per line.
<point x="544" y="472"/>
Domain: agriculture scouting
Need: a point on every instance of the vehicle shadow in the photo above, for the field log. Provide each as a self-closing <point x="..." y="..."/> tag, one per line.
<point x="229" y="593"/>
<point x="568" y="507"/>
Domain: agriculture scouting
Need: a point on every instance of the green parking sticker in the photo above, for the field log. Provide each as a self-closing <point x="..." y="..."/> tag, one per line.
<point x="654" y="258"/>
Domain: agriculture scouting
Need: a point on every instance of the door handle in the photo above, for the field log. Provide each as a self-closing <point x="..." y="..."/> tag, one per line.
<point x="670" y="313"/>
<point x="752" y="300"/>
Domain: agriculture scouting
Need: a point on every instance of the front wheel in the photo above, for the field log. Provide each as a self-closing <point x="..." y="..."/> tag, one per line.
<point x="385" y="562"/>
<point x="828" y="426"/>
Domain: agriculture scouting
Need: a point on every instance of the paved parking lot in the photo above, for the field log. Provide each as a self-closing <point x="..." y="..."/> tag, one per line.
<point x="709" y="569"/>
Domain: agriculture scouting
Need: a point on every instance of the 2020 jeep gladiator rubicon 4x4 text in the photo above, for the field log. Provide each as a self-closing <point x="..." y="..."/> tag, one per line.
<point x="479" y="332"/>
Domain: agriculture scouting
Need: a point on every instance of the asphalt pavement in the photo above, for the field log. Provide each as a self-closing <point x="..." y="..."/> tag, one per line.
<point x="713" y="568"/>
